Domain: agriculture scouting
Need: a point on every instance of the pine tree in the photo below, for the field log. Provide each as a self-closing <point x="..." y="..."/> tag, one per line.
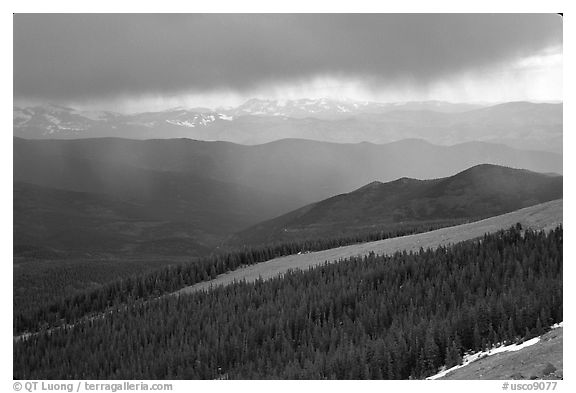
<point x="431" y="353"/>
<point x="453" y="356"/>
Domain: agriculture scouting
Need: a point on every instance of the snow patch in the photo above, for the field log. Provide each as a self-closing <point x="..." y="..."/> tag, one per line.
<point x="185" y="123"/>
<point x="475" y="356"/>
<point x="52" y="119"/>
<point x="75" y="129"/>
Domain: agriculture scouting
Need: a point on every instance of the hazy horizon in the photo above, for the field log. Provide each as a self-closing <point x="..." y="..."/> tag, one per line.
<point x="124" y="111"/>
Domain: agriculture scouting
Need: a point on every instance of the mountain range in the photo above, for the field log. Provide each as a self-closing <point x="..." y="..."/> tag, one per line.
<point x="524" y="125"/>
<point x="478" y="192"/>
<point x="186" y="197"/>
<point x="330" y="109"/>
<point x="301" y="170"/>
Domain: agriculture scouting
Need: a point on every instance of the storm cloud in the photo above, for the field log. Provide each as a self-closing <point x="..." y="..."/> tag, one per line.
<point x="84" y="56"/>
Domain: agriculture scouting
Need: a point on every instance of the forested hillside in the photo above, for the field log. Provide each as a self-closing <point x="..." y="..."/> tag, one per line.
<point x="478" y="192"/>
<point x="54" y="306"/>
<point x="394" y="317"/>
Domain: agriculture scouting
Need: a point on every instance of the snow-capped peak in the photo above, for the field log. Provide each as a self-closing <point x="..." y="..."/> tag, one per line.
<point x="305" y="107"/>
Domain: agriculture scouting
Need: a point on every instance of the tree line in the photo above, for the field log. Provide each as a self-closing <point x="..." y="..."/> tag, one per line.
<point x="383" y="317"/>
<point x="170" y="278"/>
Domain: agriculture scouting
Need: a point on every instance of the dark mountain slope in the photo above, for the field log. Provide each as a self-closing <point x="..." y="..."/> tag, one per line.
<point x="169" y="195"/>
<point x="481" y="191"/>
<point x="57" y="223"/>
<point x="78" y="205"/>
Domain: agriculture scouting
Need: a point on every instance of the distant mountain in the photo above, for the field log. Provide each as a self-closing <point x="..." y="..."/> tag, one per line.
<point x="522" y="125"/>
<point x="54" y="121"/>
<point x="331" y="109"/>
<point x="300" y="171"/>
<point x="479" y="192"/>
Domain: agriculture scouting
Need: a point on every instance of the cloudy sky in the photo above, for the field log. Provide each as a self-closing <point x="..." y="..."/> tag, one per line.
<point x="147" y="62"/>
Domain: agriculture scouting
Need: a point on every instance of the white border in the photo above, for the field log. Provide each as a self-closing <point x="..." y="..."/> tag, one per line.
<point x="248" y="6"/>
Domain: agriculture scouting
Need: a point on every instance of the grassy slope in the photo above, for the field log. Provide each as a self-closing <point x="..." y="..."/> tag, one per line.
<point x="528" y="363"/>
<point x="543" y="216"/>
